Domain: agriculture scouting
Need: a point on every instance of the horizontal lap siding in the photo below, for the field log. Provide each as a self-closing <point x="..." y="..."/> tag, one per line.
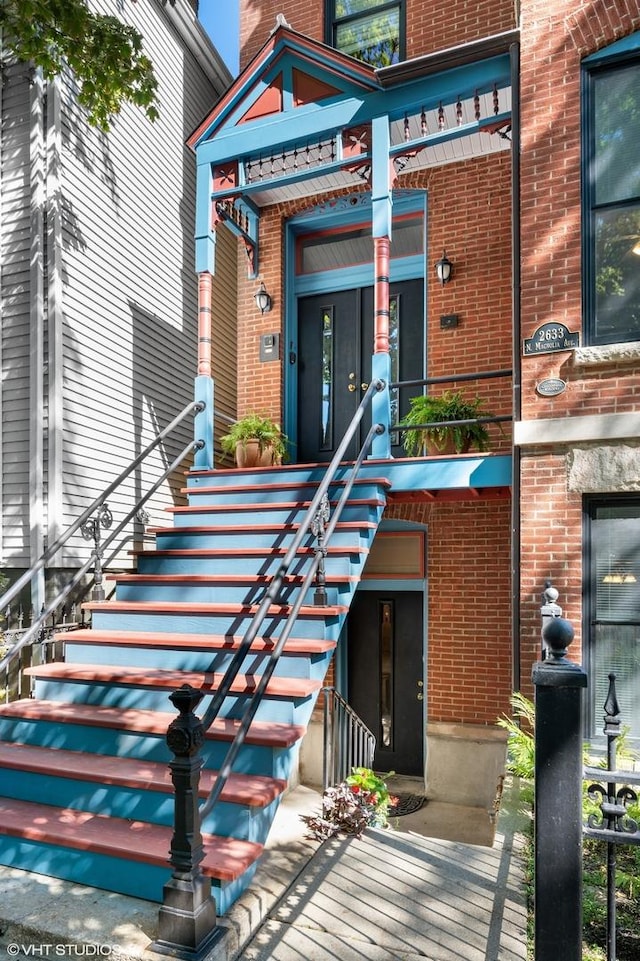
<point x="14" y="314"/>
<point x="129" y="301"/>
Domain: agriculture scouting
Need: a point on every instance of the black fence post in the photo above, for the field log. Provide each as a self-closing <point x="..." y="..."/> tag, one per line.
<point x="187" y="924"/>
<point x="558" y="798"/>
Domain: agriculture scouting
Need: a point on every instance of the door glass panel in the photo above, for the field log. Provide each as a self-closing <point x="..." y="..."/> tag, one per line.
<point x="326" y="407"/>
<point x="386" y="672"/>
<point x="394" y="356"/>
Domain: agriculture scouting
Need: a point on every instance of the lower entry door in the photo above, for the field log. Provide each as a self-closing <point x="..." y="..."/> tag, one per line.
<point x="385" y="675"/>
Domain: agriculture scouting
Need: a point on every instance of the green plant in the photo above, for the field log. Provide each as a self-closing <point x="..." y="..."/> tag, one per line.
<point x="448" y="406"/>
<point x="361" y="800"/>
<point x="521" y="742"/>
<point x="257" y="427"/>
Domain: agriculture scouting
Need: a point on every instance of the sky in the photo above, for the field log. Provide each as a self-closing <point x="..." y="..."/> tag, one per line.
<point x="220" y="19"/>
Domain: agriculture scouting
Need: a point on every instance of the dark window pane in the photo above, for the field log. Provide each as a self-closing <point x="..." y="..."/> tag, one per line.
<point x="615" y="641"/>
<point x="617" y="135"/>
<point x="617" y="274"/>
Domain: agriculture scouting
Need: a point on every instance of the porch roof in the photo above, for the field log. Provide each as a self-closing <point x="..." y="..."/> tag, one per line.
<point x="304" y="119"/>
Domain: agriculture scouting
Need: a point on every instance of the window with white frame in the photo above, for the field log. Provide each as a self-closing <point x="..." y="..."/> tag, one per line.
<point x="612" y="621"/>
<point x="370" y="30"/>
<point x="611" y="148"/>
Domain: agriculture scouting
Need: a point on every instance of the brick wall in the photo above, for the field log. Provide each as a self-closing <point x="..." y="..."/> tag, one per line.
<point x="553" y="45"/>
<point x="429" y="26"/>
<point x="469" y="657"/>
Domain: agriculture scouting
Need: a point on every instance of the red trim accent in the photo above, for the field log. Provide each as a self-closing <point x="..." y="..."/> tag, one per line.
<point x="308" y="89"/>
<point x="204" y="324"/>
<point x="381" y="249"/>
<point x="269" y="102"/>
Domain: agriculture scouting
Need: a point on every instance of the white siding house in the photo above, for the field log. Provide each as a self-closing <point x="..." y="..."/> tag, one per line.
<point x="98" y="295"/>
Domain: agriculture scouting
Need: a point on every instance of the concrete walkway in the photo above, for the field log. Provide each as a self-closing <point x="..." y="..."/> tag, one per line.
<point x="393" y="895"/>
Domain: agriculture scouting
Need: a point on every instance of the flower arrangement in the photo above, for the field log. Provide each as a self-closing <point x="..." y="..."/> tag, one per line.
<point x="362" y="800"/>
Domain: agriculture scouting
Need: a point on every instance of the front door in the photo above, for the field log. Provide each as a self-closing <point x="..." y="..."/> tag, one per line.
<point x="386" y="674"/>
<point x="335" y="345"/>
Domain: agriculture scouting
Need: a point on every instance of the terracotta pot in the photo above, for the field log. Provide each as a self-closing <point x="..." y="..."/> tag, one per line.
<point x="448" y="449"/>
<point x="248" y="454"/>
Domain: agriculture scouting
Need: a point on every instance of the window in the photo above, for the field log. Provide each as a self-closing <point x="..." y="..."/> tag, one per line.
<point x="370" y="30"/>
<point x="612" y="197"/>
<point x="613" y="620"/>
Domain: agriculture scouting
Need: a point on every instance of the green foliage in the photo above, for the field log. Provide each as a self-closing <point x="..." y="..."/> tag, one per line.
<point x="362" y="800"/>
<point x="258" y="427"/>
<point x="448" y="406"/>
<point x="521" y="742"/>
<point x="104" y="54"/>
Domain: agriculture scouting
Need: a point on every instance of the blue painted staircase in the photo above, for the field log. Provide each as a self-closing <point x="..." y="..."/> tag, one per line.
<point x="85" y="791"/>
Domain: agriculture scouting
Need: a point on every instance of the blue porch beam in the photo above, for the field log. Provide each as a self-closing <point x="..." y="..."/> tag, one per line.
<point x="433" y="474"/>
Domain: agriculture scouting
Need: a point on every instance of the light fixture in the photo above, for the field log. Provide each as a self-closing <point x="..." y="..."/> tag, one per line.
<point x="636" y="248"/>
<point x="262" y="299"/>
<point x="443" y="268"/>
<point x="619" y="577"/>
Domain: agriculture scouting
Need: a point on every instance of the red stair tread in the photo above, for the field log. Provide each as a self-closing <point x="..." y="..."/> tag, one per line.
<point x="225" y="858"/>
<point x="281" y="528"/>
<point x="280" y="485"/>
<point x="180" y="607"/>
<point x="171" y="680"/>
<point x="249" y="789"/>
<point x="142" y="721"/>
<point x="221" y="579"/>
<point x="266" y="552"/>
<point x="259" y="508"/>
<point x="191" y="642"/>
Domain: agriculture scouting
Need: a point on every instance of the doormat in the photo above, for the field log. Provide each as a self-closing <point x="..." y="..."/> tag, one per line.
<point x="407" y="804"/>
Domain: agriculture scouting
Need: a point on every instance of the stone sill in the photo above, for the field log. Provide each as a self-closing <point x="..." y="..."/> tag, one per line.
<point x="607" y="354"/>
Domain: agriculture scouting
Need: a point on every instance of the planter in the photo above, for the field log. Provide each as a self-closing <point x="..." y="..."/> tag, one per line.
<point x="448" y="448"/>
<point x="248" y="454"/>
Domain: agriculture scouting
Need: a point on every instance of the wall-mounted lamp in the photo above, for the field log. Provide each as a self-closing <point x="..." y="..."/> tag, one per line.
<point x="636" y="248"/>
<point x="444" y="269"/>
<point x="262" y="299"/>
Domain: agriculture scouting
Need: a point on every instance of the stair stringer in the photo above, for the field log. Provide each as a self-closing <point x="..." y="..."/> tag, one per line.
<point x="110" y="698"/>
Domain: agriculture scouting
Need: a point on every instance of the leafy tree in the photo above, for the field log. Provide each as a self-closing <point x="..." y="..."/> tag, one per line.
<point x="104" y="54"/>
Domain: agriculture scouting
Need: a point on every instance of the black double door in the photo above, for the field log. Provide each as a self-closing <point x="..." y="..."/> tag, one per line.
<point x="335" y="345"/>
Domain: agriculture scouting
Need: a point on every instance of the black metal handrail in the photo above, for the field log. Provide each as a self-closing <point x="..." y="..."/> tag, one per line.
<point x="453" y="379"/>
<point x="97" y="505"/>
<point x="273" y="590"/>
<point x="348" y="742"/>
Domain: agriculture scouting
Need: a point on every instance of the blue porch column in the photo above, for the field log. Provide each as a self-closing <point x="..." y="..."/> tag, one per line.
<point x="203" y="425"/>
<point x="381" y="204"/>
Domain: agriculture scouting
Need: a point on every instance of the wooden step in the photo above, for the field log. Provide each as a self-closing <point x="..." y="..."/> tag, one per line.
<point x="246" y="789"/>
<point x="232" y="580"/>
<point x="239" y="609"/>
<point x="265" y="552"/>
<point x="289" y="687"/>
<point x="285" y="527"/>
<point x="140" y="721"/>
<point x="224" y="858"/>
<point x="192" y="642"/>
<point x="266" y="506"/>
<point x="281" y="485"/>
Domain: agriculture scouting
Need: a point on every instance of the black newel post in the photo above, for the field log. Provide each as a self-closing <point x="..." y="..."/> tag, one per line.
<point x="187" y="925"/>
<point x="558" y="798"/>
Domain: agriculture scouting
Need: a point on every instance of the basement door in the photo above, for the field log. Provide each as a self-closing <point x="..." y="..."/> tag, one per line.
<point x="335" y="345"/>
<point x="385" y="675"/>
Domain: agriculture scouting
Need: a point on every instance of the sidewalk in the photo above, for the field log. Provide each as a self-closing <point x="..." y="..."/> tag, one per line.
<point x="394" y="895"/>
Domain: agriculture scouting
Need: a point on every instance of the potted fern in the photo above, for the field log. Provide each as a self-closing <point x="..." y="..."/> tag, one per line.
<point x="443" y="438"/>
<point x="255" y="441"/>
